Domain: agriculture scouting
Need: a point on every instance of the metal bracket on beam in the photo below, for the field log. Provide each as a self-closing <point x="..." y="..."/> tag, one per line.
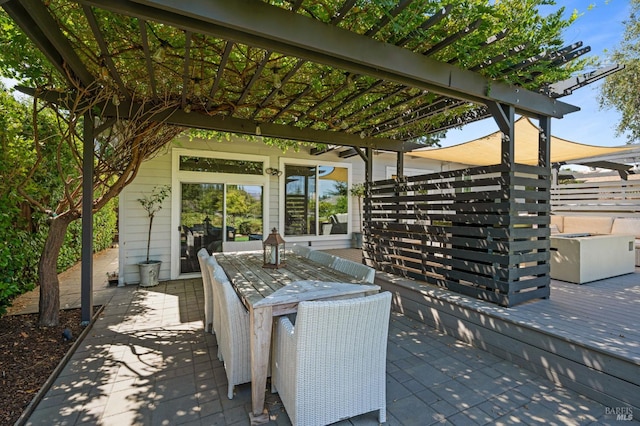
<point x="544" y="142"/>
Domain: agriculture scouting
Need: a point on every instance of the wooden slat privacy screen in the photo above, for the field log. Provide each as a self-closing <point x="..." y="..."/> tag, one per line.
<point x="615" y="198"/>
<point x="480" y="231"/>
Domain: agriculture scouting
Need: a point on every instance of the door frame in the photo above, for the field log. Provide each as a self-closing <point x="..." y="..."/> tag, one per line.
<point x="179" y="177"/>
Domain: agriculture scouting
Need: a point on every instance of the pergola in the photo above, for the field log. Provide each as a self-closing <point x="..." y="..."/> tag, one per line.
<point x="320" y="72"/>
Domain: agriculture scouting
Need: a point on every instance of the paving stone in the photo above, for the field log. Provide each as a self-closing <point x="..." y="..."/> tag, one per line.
<point x="411" y="411"/>
<point x="147" y="358"/>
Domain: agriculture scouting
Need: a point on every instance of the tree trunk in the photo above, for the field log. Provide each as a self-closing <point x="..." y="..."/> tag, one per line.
<point x="149" y="237"/>
<point x="48" y="271"/>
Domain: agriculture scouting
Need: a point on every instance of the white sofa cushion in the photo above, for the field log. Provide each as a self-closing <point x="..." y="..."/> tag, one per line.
<point x="558" y="222"/>
<point x="338" y="218"/>
<point x="626" y="225"/>
<point x="591" y="224"/>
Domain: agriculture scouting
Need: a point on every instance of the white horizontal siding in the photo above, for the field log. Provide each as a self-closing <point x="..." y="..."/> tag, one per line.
<point x="158" y="171"/>
<point x="134" y="222"/>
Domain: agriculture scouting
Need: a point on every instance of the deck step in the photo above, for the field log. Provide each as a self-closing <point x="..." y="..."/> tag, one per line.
<point x="570" y="361"/>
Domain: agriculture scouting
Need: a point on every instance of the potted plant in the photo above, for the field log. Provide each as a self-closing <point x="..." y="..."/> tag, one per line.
<point x="152" y="203"/>
<point x="358" y="190"/>
<point x="112" y="278"/>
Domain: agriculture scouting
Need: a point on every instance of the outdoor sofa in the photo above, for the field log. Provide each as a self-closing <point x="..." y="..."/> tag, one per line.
<point x="598" y="225"/>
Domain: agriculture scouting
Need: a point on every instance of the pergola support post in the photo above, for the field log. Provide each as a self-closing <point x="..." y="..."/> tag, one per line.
<point x="400" y="164"/>
<point x="367" y="156"/>
<point x="368" y="178"/>
<point x="544" y="142"/>
<point x="544" y="193"/>
<point x="86" y="293"/>
<point x="555" y="172"/>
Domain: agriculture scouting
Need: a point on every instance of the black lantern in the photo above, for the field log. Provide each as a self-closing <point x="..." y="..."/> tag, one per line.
<point x="273" y="248"/>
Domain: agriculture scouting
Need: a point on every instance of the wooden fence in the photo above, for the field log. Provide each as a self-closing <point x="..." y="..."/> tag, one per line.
<point x="615" y="198"/>
<point x="480" y="231"/>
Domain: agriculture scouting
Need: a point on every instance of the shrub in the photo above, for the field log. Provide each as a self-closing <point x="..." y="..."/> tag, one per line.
<point x="20" y="250"/>
<point x="250" y="227"/>
<point x="104" y="229"/>
<point x="19" y="253"/>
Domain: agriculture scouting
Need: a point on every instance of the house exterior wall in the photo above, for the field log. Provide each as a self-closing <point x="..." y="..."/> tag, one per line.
<point x="163" y="170"/>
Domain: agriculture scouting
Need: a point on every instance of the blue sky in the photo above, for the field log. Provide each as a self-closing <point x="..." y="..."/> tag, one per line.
<point x="601" y="28"/>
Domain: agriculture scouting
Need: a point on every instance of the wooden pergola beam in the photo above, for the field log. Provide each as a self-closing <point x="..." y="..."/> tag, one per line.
<point x="178" y="117"/>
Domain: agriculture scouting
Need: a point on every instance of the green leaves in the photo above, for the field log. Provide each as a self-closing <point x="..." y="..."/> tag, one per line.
<point x="621" y="89"/>
<point x="152" y="202"/>
<point x="223" y="77"/>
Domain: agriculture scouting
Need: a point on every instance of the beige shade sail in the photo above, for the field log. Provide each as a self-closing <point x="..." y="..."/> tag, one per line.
<point x="338" y="173"/>
<point x="486" y="151"/>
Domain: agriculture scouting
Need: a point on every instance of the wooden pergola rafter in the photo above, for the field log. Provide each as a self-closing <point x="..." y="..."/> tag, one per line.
<point x="299" y="70"/>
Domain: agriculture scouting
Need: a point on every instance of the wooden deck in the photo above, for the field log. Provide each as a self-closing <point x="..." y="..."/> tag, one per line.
<point x="584" y="337"/>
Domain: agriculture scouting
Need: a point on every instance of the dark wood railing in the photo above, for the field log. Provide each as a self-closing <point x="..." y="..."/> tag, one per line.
<point x="480" y="231"/>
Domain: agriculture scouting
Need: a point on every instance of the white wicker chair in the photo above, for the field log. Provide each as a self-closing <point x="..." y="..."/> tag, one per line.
<point x="331" y="365"/>
<point x="211" y="264"/>
<point x="253" y="245"/>
<point x="203" y="255"/>
<point x="322" y="257"/>
<point x="357" y="270"/>
<point x="234" y="335"/>
<point x="301" y="250"/>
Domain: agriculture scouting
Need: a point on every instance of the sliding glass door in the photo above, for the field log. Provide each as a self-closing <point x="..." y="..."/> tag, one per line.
<point x="211" y="213"/>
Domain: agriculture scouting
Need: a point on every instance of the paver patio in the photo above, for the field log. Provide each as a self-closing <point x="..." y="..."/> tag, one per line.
<point x="147" y="360"/>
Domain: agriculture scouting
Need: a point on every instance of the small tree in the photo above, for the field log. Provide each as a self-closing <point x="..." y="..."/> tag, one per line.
<point x="358" y="190"/>
<point x="620" y="90"/>
<point x="152" y="203"/>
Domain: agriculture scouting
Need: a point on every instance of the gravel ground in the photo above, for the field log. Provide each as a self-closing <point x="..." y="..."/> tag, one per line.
<point x="28" y="355"/>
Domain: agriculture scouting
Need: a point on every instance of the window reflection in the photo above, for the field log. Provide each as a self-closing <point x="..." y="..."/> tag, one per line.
<point x="220" y="165"/>
<point x="333" y="202"/>
<point x="316" y="200"/>
<point x="300" y="195"/>
<point x="214" y="212"/>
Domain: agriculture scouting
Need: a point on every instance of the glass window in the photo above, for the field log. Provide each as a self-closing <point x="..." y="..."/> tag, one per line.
<point x="220" y="165"/>
<point x="300" y="195"/>
<point x="244" y="212"/>
<point x="316" y="200"/>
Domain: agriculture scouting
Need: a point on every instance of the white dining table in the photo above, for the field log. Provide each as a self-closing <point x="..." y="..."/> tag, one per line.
<point x="268" y="293"/>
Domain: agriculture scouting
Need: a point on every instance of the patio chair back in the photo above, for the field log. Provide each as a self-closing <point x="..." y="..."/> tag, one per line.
<point x="300" y="250"/>
<point x="203" y="255"/>
<point x="357" y="270"/>
<point x="322" y="257"/>
<point x="234" y="340"/>
<point x="330" y="365"/>
<point x="211" y="264"/>
<point x="252" y="245"/>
